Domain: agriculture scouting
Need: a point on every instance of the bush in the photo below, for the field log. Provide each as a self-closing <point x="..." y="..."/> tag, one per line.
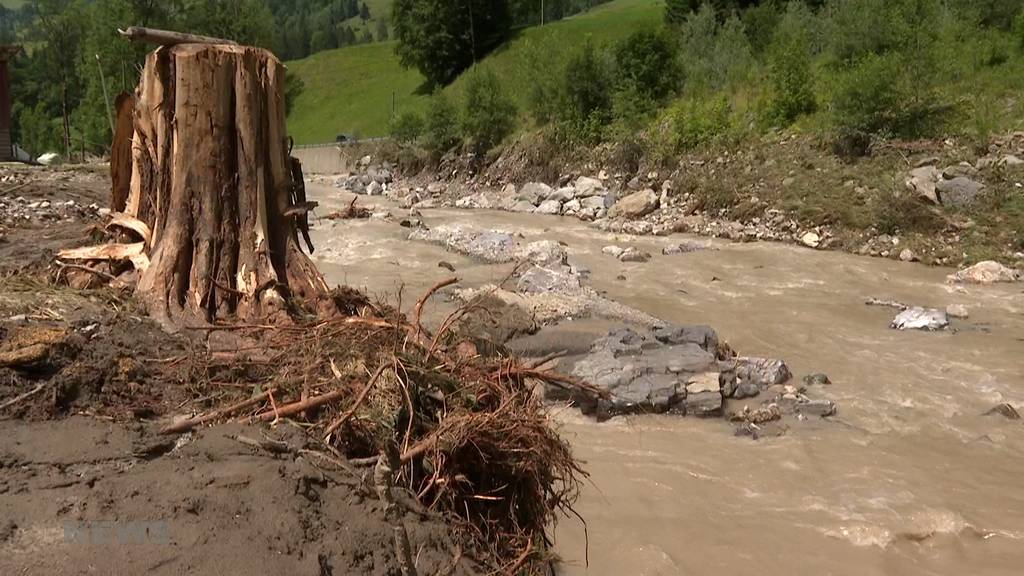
<point x="1018" y="29"/>
<point x="790" y="73"/>
<point x="882" y="97"/>
<point x="442" y="125"/>
<point x="713" y="54"/>
<point x="702" y="122"/>
<point x="646" y="61"/>
<point x="407" y="127"/>
<point x="585" y="103"/>
<point x="488" y="114"/>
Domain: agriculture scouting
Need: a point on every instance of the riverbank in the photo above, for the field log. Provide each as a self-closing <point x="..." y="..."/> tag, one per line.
<point x="936" y="202"/>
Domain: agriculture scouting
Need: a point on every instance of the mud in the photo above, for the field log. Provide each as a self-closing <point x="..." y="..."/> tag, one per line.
<point x="83" y="496"/>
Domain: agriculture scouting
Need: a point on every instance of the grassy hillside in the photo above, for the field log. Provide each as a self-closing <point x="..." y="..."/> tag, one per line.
<point x="350" y="89"/>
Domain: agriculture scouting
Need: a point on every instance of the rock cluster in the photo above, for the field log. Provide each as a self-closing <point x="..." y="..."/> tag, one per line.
<point x="20" y="211"/>
<point x="685" y="370"/>
<point x="586" y="198"/>
<point x="986" y="272"/>
<point x="370" y="178"/>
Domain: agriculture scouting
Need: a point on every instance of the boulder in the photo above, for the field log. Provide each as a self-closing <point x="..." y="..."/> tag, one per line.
<point x="635" y="205"/>
<point x="918" y="318"/>
<point x="614" y="251"/>
<point x="684" y="247"/>
<point x="922" y="181"/>
<point x="817" y="379"/>
<point x="810" y="239"/>
<point x="1004" y="409"/>
<point x="374" y="188"/>
<point x="592" y="206"/>
<point x="523" y="206"/>
<point x="816" y="407"/>
<point x="907" y="255"/>
<point x="586" y="186"/>
<point x="986" y="272"/>
<point x="563" y="194"/>
<point x="958" y="192"/>
<point x="549" y="207"/>
<point x="673" y="335"/>
<point x="534" y="192"/>
<point x="572" y="207"/>
<point x="634" y="255"/>
<point x="643" y="374"/>
<point x="754" y="375"/>
<point x="435" y="188"/>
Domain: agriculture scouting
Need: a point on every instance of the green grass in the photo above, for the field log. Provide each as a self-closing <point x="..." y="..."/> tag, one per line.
<point x="350" y="90"/>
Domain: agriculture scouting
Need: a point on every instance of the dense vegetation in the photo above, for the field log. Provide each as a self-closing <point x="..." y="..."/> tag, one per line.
<point x="857" y="71"/>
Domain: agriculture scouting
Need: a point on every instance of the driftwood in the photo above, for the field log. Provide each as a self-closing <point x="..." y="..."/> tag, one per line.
<point x="168" y="38"/>
<point x="121" y="152"/>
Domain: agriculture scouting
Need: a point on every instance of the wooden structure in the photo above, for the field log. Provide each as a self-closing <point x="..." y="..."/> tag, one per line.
<point x="7" y="52"/>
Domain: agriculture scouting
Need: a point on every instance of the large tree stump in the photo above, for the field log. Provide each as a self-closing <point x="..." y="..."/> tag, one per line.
<point x="212" y="179"/>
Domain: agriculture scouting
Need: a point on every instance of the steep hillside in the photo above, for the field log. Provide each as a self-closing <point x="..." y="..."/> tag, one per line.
<point x="352" y="89"/>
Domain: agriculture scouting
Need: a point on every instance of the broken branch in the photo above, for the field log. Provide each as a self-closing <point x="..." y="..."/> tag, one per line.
<point x="186" y="425"/>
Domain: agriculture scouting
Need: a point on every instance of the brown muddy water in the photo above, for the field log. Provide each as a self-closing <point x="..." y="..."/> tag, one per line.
<point x="908" y="478"/>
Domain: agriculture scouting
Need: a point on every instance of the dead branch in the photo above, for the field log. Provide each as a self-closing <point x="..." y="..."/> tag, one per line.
<point x="423" y="301"/>
<point x="301" y="406"/>
<point x="355" y="406"/>
<point x="168" y="37"/>
<point x="22" y="397"/>
<point x="186" y="425"/>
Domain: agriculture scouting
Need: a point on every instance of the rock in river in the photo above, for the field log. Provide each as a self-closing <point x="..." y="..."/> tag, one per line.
<point x="918" y="318"/>
<point x="986" y="272"/>
<point x="646" y="374"/>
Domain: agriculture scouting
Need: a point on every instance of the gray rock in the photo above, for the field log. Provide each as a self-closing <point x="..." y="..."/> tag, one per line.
<point x="816" y="407"/>
<point x="586" y="186"/>
<point x="684" y="247"/>
<point x="492" y="246"/>
<point x="523" y="206"/>
<point x="534" y="192"/>
<point x="986" y="272"/>
<point x="538" y="280"/>
<point x="958" y="192"/>
<point x="922" y="180"/>
<point x="746" y="390"/>
<point x="1010" y="160"/>
<point x="907" y="255"/>
<point x="542" y="253"/>
<point x="918" y="318"/>
<point x="614" y="251"/>
<point x="635" y="205"/>
<point x="704" y="395"/>
<point x="549" y="207"/>
<point x="1004" y="409"/>
<point x="563" y="194"/>
<point x="634" y="255"/>
<point x="572" y="207"/>
<point x="817" y="379"/>
<point x="703" y="336"/>
<point x="762" y="372"/>
<point x="374" y="188"/>
<point x="435" y="188"/>
<point x="592" y="206"/>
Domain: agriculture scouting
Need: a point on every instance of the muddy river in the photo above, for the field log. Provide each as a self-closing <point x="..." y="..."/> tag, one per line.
<point x="907" y="478"/>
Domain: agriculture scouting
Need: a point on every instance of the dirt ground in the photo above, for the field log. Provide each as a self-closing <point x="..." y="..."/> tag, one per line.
<point x="209" y="504"/>
<point x="87" y="486"/>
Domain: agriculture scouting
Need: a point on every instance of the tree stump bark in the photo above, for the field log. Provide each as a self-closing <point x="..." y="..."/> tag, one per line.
<point x="212" y="178"/>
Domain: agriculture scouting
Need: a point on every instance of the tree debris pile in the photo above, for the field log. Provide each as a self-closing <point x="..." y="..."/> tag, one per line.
<point x="471" y="438"/>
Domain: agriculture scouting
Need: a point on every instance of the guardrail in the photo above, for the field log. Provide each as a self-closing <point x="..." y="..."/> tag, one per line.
<point x="340" y="144"/>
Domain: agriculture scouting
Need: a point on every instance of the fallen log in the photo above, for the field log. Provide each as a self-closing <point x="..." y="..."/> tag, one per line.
<point x="168" y="37"/>
<point x="186" y="425"/>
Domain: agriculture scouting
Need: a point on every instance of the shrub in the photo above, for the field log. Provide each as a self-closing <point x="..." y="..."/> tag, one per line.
<point x="442" y="125"/>
<point x="586" y="88"/>
<point x="881" y="97"/>
<point x="713" y="54"/>
<point x="407" y="127"/>
<point x="647" y="62"/>
<point x="488" y="115"/>
<point x="759" y="23"/>
<point x="789" y="69"/>
<point x="1018" y="29"/>
<point x="702" y="122"/>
